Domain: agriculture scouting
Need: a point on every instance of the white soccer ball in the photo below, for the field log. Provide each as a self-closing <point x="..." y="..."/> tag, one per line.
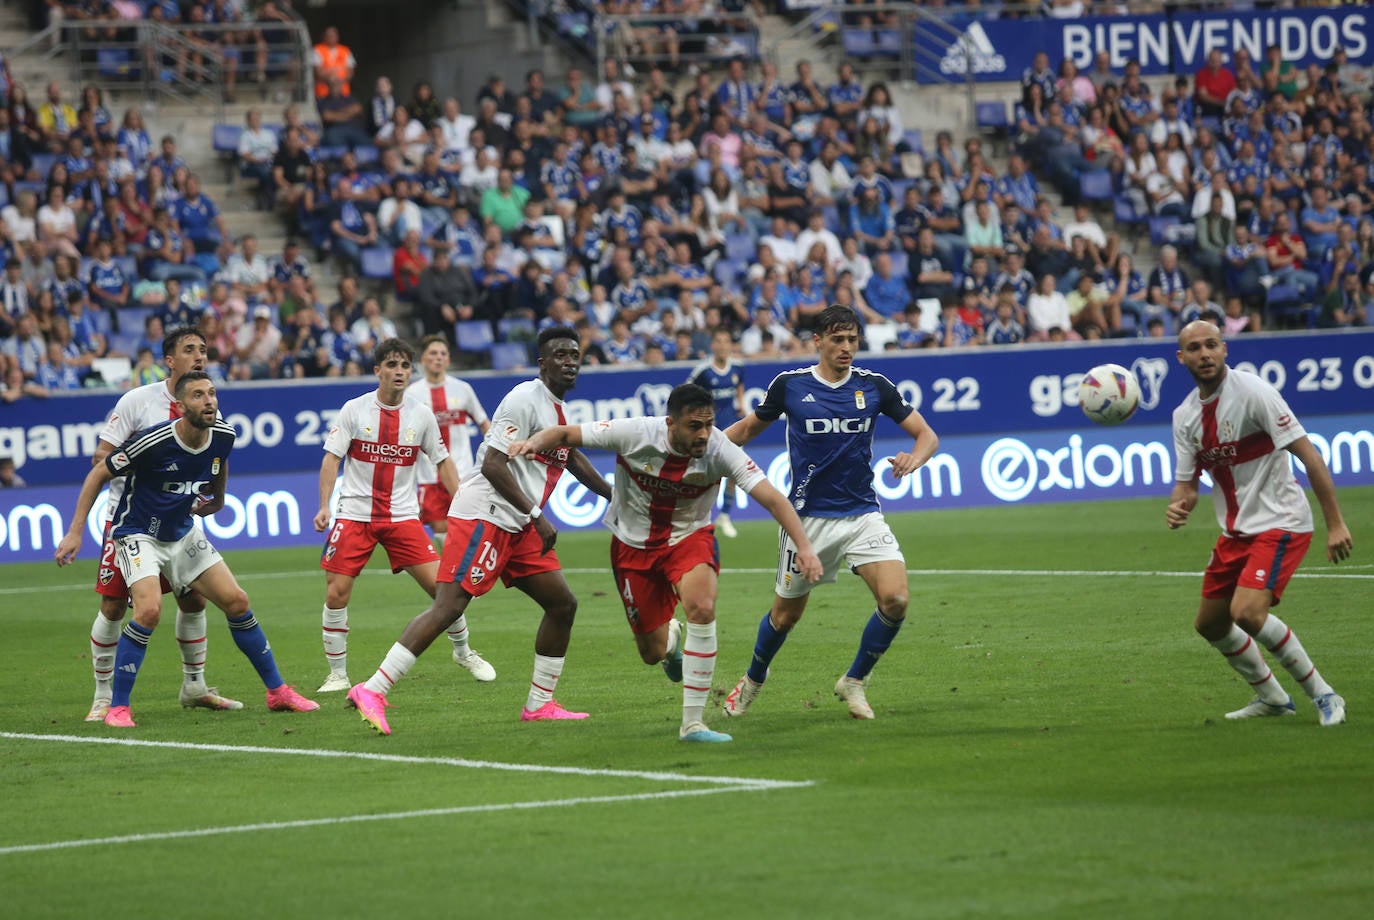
<point x="1109" y="394"/>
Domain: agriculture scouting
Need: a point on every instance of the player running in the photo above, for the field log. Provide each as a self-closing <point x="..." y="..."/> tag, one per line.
<point x="183" y="350"/>
<point x="831" y="410"/>
<point x="497" y="529"/>
<point x="168" y="468"/>
<point x="382" y="435"/>
<point x="663" y="545"/>
<point x="723" y="378"/>
<point x="1236" y="427"/>
<point x="457" y="410"/>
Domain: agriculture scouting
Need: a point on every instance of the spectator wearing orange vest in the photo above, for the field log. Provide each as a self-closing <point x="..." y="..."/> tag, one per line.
<point x="333" y="59"/>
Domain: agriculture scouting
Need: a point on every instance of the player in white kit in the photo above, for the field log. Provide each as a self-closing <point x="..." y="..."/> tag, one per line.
<point x="497" y="530"/>
<point x="1240" y="430"/>
<point x="381" y="436"/>
<point x="183" y="350"/>
<point x="663" y="544"/>
<point x="458" y="412"/>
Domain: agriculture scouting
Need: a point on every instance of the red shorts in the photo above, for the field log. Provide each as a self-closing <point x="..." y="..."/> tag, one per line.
<point x="646" y="579"/>
<point x="1264" y="561"/>
<point x="351" y="543"/>
<point x="477" y="552"/>
<point x="434" y="502"/>
<point x="109" y="582"/>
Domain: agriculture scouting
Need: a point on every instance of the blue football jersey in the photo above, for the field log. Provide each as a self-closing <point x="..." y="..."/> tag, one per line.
<point x="830" y="437"/>
<point x="164" y="480"/>
<point x="722" y="386"/>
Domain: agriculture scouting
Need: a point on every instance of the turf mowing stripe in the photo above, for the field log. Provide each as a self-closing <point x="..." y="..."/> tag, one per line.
<point x="951" y="573"/>
<point x="393" y="816"/>
<point x="403" y="758"/>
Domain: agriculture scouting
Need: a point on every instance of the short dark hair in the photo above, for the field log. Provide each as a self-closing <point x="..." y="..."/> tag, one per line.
<point x="555" y="332"/>
<point x="173" y="338"/>
<point x="393" y="346"/>
<point x="432" y="340"/>
<point x="189" y="378"/>
<point x="835" y="317"/>
<point x="688" y="397"/>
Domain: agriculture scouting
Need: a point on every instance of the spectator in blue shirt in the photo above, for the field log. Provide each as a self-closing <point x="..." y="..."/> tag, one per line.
<point x="886" y="291"/>
<point x="105" y="281"/>
<point x="931" y="274"/>
<point x="870" y="220"/>
<point x="1320" y="222"/>
<point x="846" y="97"/>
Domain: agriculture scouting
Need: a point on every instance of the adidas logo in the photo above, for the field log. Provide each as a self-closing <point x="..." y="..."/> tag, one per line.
<point x="172" y="467"/>
<point x="808" y="398"/>
<point x="972" y="51"/>
<point x="130" y="667"/>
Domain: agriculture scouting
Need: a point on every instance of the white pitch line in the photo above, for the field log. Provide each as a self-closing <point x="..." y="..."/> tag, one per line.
<point x="653" y="776"/>
<point x="937" y="573"/>
<point x="354" y="819"/>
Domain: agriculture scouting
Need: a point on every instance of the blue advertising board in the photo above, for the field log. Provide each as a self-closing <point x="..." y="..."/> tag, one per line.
<point x="999" y="50"/>
<point x="994" y="468"/>
<point x="282" y="425"/>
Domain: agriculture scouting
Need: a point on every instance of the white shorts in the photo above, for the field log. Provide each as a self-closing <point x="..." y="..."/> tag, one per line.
<point x="855" y="541"/>
<point x="139" y="556"/>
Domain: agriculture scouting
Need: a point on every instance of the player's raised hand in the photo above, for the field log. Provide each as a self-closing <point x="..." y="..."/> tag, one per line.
<point x="1176" y="515"/>
<point x="67" y="549"/>
<point x="810" y="565"/>
<point x="522" y="449"/>
<point x="321" y="520"/>
<point x="1338" y="543"/>
<point x="904" y="464"/>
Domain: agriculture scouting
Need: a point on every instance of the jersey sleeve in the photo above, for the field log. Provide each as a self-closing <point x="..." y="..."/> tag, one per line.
<point x="735" y="463"/>
<point x="890" y="400"/>
<point x="1271" y="410"/>
<point x="119" y="426"/>
<point x="515" y="420"/>
<point x="1185" y="455"/>
<point x="612" y="434"/>
<point x="341" y="435"/>
<point x="430" y="442"/>
<point x="473" y="404"/>
<point x="774" y="401"/>
<point x="127" y="456"/>
<point x="696" y="376"/>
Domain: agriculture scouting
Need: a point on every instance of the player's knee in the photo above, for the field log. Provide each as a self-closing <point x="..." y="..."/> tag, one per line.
<point x="149" y="616"/>
<point x="1249" y="615"/>
<point x="191" y="602"/>
<point x="236" y="605"/>
<point x="113" y="608"/>
<point x="700" y="611"/>
<point x="564" y="609"/>
<point x="893" y="605"/>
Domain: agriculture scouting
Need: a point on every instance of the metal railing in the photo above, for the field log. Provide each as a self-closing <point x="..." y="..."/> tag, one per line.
<point x="641" y="40"/>
<point x="164" y="62"/>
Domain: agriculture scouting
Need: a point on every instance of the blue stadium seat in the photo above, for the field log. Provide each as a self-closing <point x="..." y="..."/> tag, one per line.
<point x="225" y="138"/>
<point x="739" y="247"/>
<point x="1160" y="228"/>
<point x="991" y="115"/>
<point x="377" y="263"/>
<point x="913" y="139"/>
<point x="889" y="43"/>
<point x="859" y="43"/>
<point x="115" y="63"/>
<point x="323" y="154"/>
<point x="1095" y="185"/>
<point x="42" y="163"/>
<point x="506" y="356"/>
<point x="901" y="264"/>
<point x="366" y="156"/>
<point x="473" y="335"/>
<point x="514" y="329"/>
<point x="1123" y="209"/>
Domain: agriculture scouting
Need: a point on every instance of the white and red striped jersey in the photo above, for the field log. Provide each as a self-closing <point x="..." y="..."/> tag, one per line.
<point x="661" y="497"/>
<point x="1238" y="436"/>
<point x="528" y="408"/>
<point x="137" y="409"/>
<point x="459" y="415"/>
<point x="380" y="445"/>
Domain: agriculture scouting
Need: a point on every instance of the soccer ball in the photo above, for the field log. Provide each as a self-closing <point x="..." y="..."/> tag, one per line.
<point x="1109" y="394"/>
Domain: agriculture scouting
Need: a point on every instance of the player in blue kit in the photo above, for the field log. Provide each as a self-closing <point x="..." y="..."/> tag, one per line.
<point x="831" y="411"/>
<point x="171" y="468"/>
<point x="723" y="378"/>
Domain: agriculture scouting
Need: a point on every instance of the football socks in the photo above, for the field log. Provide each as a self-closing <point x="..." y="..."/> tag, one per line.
<point x="544" y="680"/>
<point x="877" y="636"/>
<point x="252" y="641"/>
<point x="1283" y="644"/>
<point x="190" y="632"/>
<point x="698" y="667"/>
<point x="397" y="662"/>
<point x="133" y="645"/>
<point x="1243" y="654"/>
<point x="335" y="631"/>
<point x="766" y="646"/>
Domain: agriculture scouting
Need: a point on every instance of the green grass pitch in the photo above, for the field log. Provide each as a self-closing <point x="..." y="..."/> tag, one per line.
<point x="1049" y="743"/>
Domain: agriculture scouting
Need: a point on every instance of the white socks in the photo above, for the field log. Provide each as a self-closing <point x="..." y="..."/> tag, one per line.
<point x="698" y="668"/>
<point x="545" y="680"/>
<point x="458" y="634"/>
<point x="1243" y="654"/>
<point x="104" y="638"/>
<point x="191" y="637"/>
<point x="336" y="639"/>
<point x="1283" y="644"/>
<point x="397" y="662"/>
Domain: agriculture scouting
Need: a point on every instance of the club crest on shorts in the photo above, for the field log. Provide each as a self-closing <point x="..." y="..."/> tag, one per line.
<point x="859" y="399"/>
<point x="476" y="574"/>
<point x="329" y="552"/>
<point x="106" y="576"/>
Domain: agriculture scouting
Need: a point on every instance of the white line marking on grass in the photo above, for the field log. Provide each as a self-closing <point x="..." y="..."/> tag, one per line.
<point x="653" y="776"/>
<point x="392" y="816"/>
<point x="930" y="573"/>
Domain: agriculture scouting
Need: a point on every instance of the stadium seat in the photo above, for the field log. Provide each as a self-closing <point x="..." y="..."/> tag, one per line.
<point x="474" y="335"/>
<point x="1160" y="229"/>
<point x="507" y="356"/>
<point x="514" y="329"/>
<point x="330" y="154"/>
<point x="859" y="43"/>
<point x="901" y="264"/>
<point x="889" y="43"/>
<point x="739" y="247"/>
<point x="4" y="196"/>
<point x="366" y="156"/>
<point x="1284" y="307"/>
<point x="42" y="163"/>
<point x="225" y="138"/>
<point x="1095" y="185"/>
<point x="1123" y="209"/>
<point x="377" y="263"/>
<point x="991" y="118"/>
<point x="115" y="63"/>
<point x="728" y="272"/>
<point x="913" y="139"/>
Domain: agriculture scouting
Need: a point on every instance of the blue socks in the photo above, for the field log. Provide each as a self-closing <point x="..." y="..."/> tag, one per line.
<point x="766" y="646"/>
<point x="878" y="635"/>
<point x="133" y="645"/>
<point x="252" y="641"/>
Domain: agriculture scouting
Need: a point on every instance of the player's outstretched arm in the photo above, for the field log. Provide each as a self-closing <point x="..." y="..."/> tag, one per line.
<point x="329" y="474"/>
<point x="1182" y="500"/>
<point x="71" y="543"/>
<point x="496" y="470"/>
<point x="546" y="439"/>
<point x="777" y="505"/>
<point x="924" y="447"/>
<point x="746" y="429"/>
<point x="582" y="468"/>
<point x="1338" y="542"/>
